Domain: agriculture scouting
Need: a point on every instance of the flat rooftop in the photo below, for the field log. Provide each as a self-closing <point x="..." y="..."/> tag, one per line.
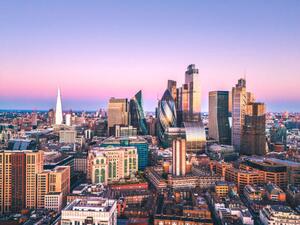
<point x="96" y="204"/>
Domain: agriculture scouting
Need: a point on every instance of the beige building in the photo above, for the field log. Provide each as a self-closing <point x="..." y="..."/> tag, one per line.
<point x="239" y="103"/>
<point x="67" y="136"/>
<point x="118" y="113"/>
<point x="53" y="181"/>
<point x="34" y="165"/>
<point x="179" y="157"/>
<point x="111" y="163"/>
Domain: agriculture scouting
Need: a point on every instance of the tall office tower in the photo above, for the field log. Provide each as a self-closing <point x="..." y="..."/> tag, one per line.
<point x="118" y="113"/>
<point x="250" y="97"/>
<point x="34" y="165"/>
<point x="58" y="109"/>
<point x="42" y="183"/>
<point x="173" y="89"/>
<point x="218" y="126"/>
<point x="230" y="102"/>
<point x="254" y="130"/>
<point x="5" y="182"/>
<point x="18" y="179"/>
<point x="137" y="116"/>
<point x="239" y="102"/>
<point x="192" y="79"/>
<point x="166" y="115"/>
<point x="179" y="157"/>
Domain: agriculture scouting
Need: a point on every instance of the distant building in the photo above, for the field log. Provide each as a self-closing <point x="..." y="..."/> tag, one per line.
<point x="254" y="130"/>
<point x="218" y="126"/>
<point x="90" y="211"/>
<point x="21" y="144"/>
<point x="67" y="136"/>
<point x="58" y="109"/>
<point x="117" y="113"/>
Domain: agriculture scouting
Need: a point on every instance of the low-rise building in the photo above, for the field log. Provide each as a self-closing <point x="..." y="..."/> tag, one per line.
<point x="54" y="201"/>
<point x="96" y="211"/>
<point x="278" y="215"/>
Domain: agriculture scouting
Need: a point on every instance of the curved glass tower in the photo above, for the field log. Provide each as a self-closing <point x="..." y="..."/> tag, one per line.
<point x="137" y="116"/>
<point x="166" y="115"/>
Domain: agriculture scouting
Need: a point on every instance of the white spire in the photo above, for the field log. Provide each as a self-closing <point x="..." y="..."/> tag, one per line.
<point x="58" y="110"/>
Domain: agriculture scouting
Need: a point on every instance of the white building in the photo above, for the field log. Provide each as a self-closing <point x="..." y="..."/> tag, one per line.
<point x="58" y="110"/>
<point x="94" y="210"/>
<point x="54" y="201"/>
<point x="278" y="215"/>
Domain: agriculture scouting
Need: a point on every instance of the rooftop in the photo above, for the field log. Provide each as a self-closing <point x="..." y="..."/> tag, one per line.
<point x="96" y="204"/>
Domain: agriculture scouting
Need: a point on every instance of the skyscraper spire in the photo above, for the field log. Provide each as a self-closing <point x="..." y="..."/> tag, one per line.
<point x="58" y="110"/>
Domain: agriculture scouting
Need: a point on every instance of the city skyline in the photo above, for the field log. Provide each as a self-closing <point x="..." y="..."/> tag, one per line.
<point x="96" y="51"/>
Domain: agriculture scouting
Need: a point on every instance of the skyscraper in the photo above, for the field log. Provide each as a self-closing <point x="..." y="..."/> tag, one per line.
<point x="254" y="134"/>
<point x="118" y="113"/>
<point x="179" y="157"/>
<point x="18" y="179"/>
<point x="192" y="79"/>
<point x="219" y="128"/>
<point x="137" y="116"/>
<point x="239" y="102"/>
<point x="172" y="89"/>
<point x="166" y="115"/>
<point x="34" y="165"/>
<point x="58" y="109"/>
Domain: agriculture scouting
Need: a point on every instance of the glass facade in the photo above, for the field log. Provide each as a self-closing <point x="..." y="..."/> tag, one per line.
<point x="139" y="143"/>
<point x="166" y="114"/>
<point x="195" y="136"/>
<point x="137" y="116"/>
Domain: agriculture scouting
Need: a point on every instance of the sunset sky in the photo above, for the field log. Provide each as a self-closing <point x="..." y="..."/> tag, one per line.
<point x="94" y="50"/>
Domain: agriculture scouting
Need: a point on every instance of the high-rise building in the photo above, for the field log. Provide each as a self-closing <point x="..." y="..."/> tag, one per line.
<point x="173" y="89"/>
<point x="254" y="130"/>
<point x="18" y="179"/>
<point x="58" y="109"/>
<point x="111" y="164"/>
<point x="34" y="166"/>
<point x="18" y="176"/>
<point x="239" y="102"/>
<point x="137" y="116"/>
<point x="192" y="79"/>
<point x="118" y="113"/>
<point x="179" y="157"/>
<point x="166" y="115"/>
<point x="218" y="126"/>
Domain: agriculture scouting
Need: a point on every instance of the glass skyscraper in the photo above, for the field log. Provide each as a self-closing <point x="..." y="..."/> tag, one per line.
<point x="219" y="128"/>
<point x="166" y="115"/>
<point x="137" y="116"/>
